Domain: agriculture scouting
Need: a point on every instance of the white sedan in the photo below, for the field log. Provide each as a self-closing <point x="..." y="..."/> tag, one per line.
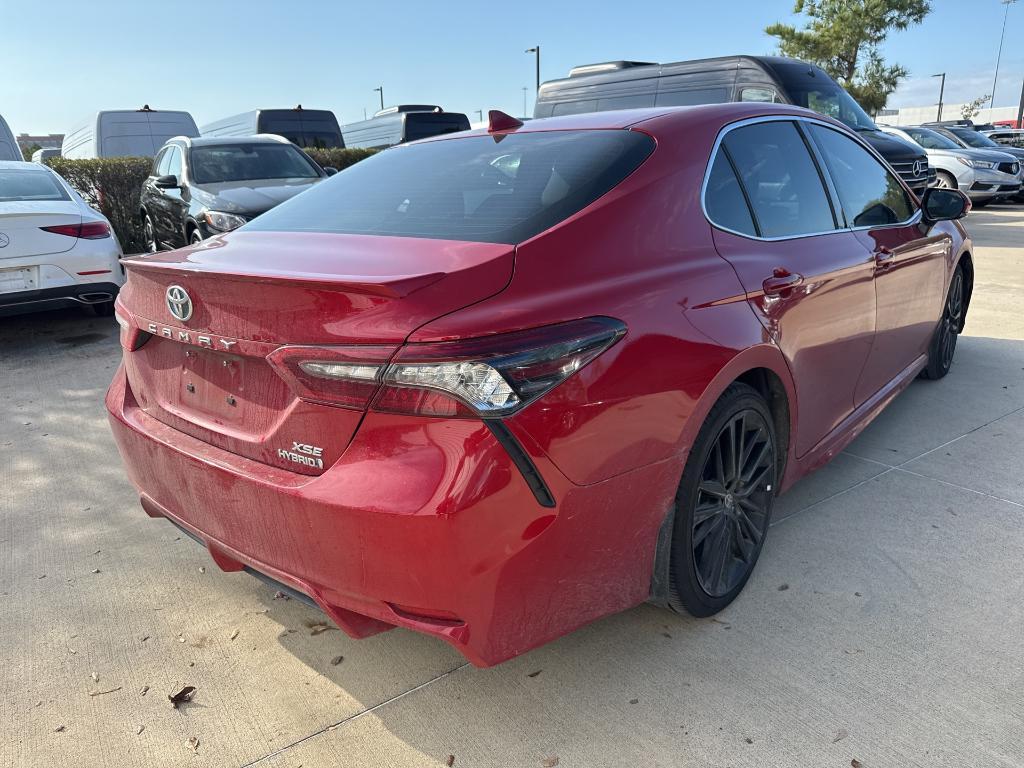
<point x="55" y="251"/>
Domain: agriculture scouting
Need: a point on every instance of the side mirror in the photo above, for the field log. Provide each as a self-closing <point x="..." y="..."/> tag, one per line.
<point x="167" y="182"/>
<point x="945" y="204"/>
<point x="330" y="171"/>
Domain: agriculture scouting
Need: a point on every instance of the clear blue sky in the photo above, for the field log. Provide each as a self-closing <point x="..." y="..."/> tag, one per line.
<point x="215" y="58"/>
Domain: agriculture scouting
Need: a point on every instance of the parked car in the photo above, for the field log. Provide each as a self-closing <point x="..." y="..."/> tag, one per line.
<point x="41" y="155"/>
<point x="631" y="84"/>
<point x="1006" y="124"/>
<point x="303" y="127"/>
<point x="405" y="122"/>
<point x="55" y="251"/>
<point x="9" y="149"/>
<point x="126" y="133"/>
<point x="1010" y="136"/>
<point x="480" y="406"/>
<point x="985" y="175"/>
<point x="207" y="186"/>
<point x="972" y="139"/>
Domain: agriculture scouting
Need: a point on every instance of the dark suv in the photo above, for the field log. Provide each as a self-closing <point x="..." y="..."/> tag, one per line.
<point x="202" y="187"/>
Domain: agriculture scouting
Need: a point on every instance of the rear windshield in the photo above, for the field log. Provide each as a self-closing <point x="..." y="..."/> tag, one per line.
<point x="424" y="125"/>
<point x="500" y="189"/>
<point x="30" y="185"/>
<point x="248" y="162"/>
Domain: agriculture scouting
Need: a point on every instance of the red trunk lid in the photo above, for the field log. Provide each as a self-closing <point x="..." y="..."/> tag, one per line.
<point x="252" y="293"/>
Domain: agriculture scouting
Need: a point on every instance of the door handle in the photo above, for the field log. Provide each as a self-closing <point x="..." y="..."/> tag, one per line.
<point x="781" y="280"/>
<point x="884" y="257"/>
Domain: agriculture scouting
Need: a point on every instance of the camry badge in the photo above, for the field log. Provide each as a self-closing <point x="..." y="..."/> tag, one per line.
<point x="179" y="303"/>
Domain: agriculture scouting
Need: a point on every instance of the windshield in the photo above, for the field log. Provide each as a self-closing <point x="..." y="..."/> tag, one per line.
<point x="811" y="87"/>
<point x="930" y="139"/>
<point x="249" y="162"/>
<point x="502" y="189"/>
<point x="30" y="185"/>
<point x="973" y="138"/>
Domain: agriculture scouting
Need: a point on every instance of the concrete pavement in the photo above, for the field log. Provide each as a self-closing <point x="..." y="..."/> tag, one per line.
<point x="884" y="623"/>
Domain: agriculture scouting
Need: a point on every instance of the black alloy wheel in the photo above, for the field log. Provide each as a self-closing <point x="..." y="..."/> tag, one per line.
<point x="149" y="234"/>
<point x="724" y="503"/>
<point x="943" y="346"/>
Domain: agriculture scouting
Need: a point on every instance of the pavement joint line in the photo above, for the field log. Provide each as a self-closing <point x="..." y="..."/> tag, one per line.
<point x="832" y="496"/>
<point x="355" y="716"/>
<point x="960" y="487"/>
<point x="961" y="437"/>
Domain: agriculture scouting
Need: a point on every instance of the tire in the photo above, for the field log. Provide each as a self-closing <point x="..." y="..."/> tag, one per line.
<point x="195" y="237"/>
<point x="721" y="521"/>
<point x="943" y="346"/>
<point x="149" y="234"/>
<point x="945" y="180"/>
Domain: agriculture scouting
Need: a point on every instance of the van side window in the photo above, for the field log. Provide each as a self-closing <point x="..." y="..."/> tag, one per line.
<point x="870" y="193"/>
<point x="724" y="201"/>
<point x="626" y="102"/>
<point x="781" y="179"/>
<point x="758" y="93"/>
<point x="574" y="107"/>
<point x="692" y="97"/>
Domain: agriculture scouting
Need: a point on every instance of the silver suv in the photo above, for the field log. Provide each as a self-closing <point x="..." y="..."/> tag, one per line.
<point x="985" y="175"/>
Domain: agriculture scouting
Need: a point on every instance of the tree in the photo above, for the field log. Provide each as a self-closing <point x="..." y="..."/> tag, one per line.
<point x="27" y="152"/>
<point x="971" y="109"/>
<point x="843" y="38"/>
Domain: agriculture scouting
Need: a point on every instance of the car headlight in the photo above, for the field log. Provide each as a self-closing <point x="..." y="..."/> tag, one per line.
<point x="223" y="222"/>
<point x="966" y="161"/>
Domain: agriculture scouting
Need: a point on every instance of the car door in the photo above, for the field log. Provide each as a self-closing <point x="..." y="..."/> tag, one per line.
<point x="909" y="261"/>
<point x="153" y="196"/>
<point x="808" y="279"/>
<point x="174" y="201"/>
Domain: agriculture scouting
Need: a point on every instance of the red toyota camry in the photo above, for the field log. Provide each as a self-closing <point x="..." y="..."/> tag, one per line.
<point x="495" y="385"/>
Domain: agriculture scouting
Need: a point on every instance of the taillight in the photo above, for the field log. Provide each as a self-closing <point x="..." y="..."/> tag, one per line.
<point x="132" y="337"/>
<point x="483" y="377"/>
<point x="87" y="230"/>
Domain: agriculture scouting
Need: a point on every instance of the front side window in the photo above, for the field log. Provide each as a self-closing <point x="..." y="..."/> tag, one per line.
<point x="870" y="193"/>
<point x="781" y="180"/>
<point x="221" y="163"/>
<point x="159" y="160"/>
<point x="758" y="93"/>
<point x="174" y="163"/>
<point x="29" y="185"/>
<point x="930" y="139"/>
<point x="500" y="189"/>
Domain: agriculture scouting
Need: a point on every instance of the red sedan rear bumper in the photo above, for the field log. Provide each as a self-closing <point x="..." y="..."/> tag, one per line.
<point x="423" y="523"/>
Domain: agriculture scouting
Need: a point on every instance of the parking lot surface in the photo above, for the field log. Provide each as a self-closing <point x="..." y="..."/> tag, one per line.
<point x="884" y="622"/>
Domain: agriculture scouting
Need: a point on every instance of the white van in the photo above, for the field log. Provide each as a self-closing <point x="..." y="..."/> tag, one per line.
<point x="126" y="133"/>
<point x="41" y="155"/>
<point x="302" y="127"/>
<point x="9" y="149"/>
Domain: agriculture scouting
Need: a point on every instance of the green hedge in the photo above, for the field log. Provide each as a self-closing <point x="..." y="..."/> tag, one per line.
<point x="339" y="158"/>
<point x="113" y="186"/>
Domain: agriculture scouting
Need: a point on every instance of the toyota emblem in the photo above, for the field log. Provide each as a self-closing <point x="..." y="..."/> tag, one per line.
<point x="179" y="303"/>
<point x="918" y="167"/>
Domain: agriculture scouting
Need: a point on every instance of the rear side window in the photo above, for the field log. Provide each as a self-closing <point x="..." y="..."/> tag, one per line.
<point x="692" y="97"/>
<point x="30" y="185"/>
<point x="500" y="189"/>
<point x="781" y="179"/>
<point x="870" y="193"/>
<point x="723" y="198"/>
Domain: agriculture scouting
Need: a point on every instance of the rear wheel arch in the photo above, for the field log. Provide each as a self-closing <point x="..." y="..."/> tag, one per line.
<point x="967" y="263"/>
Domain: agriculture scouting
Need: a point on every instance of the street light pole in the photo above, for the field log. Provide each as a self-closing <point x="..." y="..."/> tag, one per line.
<point x="999" y="55"/>
<point x="480" y="115"/>
<point x="942" y="90"/>
<point x="1020" y="109"/>
<point x="380" y="90"/>
<point x="537" y="50"/>
<point x="525" y="89"/>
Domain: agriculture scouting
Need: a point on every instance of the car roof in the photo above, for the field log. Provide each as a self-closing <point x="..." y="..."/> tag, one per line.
<point x="726" y="113"/>
<point x="21" y="165"/>
<point x="213" y="141"/>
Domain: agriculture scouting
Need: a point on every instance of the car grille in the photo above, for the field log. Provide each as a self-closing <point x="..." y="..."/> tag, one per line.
<point x="1011" y="168"/>
<point x="1009" y="187"/>
<point x="906" y="172"/>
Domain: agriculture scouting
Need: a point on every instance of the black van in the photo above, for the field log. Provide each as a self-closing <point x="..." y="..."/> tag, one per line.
<point x="303" y="127"/>
<point x="629" y="84"/>
<point x="406" y="122"/>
